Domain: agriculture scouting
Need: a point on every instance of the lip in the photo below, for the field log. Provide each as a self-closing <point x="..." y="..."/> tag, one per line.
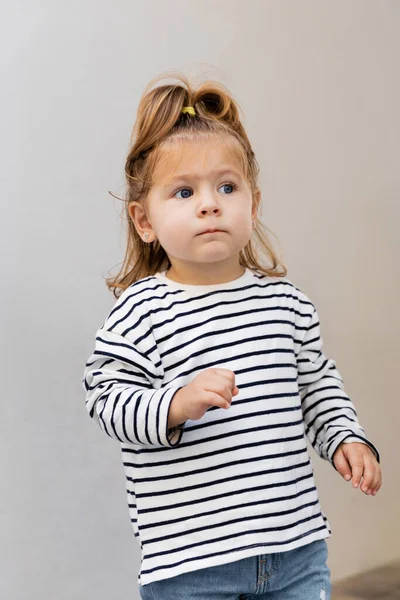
<point x="212" y="231"/>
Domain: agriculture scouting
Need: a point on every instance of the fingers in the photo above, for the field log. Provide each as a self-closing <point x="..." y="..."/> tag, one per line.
<point x="368" y="477"/>
<point x="228" y="387"/>
<point x="355" y="458"/>
<point x="226" y="375"/>
<point x="342" y="465"/>
<point x="378" y="487"/>
<point x="363" y="467"/>
<point x="357" y="471"/>
<point x="376" y="484"/>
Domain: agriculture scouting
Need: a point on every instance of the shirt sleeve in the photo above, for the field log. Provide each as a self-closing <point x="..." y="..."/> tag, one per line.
<point x="120" y="396"/>
<point x="329" y="415"/>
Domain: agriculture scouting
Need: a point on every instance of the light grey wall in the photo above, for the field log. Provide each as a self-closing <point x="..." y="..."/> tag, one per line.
<point x="318" y="82"/>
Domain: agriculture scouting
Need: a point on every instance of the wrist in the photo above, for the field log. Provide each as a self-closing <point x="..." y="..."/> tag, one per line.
<point x="176" y="415"/>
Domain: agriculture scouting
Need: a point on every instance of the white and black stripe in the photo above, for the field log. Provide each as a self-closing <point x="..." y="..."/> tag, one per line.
<point x="238" y="482"/>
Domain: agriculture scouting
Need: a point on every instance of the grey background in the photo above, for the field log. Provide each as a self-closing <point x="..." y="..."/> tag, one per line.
<point x="318" y="82"/>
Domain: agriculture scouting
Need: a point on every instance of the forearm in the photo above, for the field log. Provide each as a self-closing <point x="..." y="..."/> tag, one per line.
<point x="121" y="395"/>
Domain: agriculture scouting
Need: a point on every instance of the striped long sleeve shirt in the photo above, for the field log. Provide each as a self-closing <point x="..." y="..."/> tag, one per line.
<point x="238" y="482"/>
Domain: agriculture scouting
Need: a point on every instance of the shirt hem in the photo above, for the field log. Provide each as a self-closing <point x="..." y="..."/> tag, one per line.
<point x="235" y="555"/>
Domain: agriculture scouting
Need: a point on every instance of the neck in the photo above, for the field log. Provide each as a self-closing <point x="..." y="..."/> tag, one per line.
<point x="208" y="274"/>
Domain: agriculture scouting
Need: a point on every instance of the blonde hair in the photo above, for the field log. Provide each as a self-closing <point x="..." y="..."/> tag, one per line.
<point x="159" y="122"/>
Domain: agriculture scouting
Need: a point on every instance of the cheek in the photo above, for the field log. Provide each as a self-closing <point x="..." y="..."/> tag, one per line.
<point x="179" y="216"/>
<point x="173" y="221"/>
<point x="173" y="228"/>
<point x="242" y="223"/>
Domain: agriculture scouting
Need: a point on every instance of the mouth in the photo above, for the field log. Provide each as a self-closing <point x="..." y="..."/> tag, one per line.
<point x="212" y="231"/>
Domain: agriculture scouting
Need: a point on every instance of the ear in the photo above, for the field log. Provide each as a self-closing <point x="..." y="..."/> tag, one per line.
<point x="140" y="220"/>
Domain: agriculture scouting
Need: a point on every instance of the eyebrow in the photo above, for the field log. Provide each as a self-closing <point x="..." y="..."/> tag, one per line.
<point x="186" y="176"/>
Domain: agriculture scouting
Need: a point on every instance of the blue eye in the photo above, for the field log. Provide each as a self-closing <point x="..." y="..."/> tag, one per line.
<point x="231" y="185"/>
<point x="182" y="190"/>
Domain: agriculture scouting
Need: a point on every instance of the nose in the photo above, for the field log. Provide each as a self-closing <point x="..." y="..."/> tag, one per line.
<point x="209" y="205"/>
<point x="209" y="211"/>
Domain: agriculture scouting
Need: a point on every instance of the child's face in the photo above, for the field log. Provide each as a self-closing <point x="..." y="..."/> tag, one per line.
<point x="188" y="198"/>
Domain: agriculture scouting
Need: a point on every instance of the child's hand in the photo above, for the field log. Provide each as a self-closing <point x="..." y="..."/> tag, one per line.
<point x="354" y="460"/>
<point x="210" y="387"/>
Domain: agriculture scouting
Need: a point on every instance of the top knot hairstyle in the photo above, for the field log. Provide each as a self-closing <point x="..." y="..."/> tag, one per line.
<point x="161" y="122"/>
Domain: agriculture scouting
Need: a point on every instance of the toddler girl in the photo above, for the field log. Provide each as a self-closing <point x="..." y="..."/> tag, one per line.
<point x="209" y="371"/>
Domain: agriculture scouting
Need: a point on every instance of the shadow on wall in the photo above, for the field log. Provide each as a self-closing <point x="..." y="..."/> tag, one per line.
<point x="382" y="583"/>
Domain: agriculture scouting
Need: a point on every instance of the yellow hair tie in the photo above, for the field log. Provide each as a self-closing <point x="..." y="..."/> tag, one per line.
<point x="188" y="109"/>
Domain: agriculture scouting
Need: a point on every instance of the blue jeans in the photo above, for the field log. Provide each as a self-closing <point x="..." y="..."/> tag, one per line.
<point x="299" y="574"/>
